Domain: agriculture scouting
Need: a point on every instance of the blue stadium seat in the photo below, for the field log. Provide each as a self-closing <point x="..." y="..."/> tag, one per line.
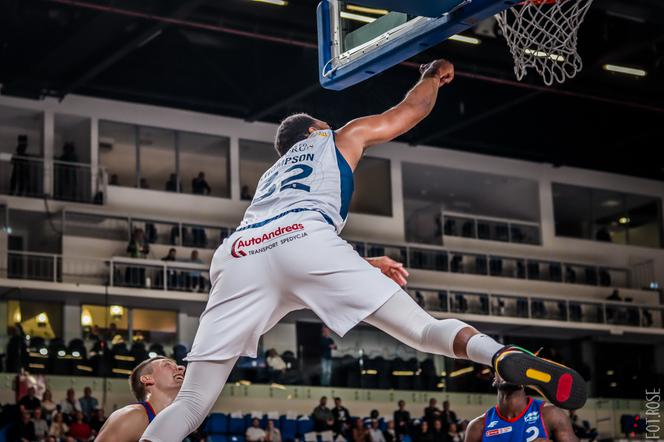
<point x="288" y="429"/>
<point x="304" y="426"/>
<point x="236" y="425"/>
<point x="236" y="438"/>
<point x="217" y="438"/>
<point x="217" y="423"/>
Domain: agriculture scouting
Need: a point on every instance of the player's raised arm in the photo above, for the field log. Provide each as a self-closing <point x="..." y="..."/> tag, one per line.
<point x="124" y="425"/>
<point x="363" y="132"/>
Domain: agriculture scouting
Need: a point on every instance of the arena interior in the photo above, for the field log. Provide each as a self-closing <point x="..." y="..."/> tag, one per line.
<point x="132" y="137"/>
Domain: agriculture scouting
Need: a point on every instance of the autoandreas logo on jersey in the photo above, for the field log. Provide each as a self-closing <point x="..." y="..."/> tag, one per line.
<point x="267" y="239"/>
<point x="498" y="431"/>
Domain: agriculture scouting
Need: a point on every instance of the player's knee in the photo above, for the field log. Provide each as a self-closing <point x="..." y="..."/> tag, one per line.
<point x="439" y="336"/>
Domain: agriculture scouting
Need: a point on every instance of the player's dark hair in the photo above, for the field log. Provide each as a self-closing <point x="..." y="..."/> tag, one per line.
<point x="291" y="130"/>
<point x="135" y="385"/>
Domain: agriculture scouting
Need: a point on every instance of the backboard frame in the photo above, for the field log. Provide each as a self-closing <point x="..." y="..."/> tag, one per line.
<point x="339" y="70"/>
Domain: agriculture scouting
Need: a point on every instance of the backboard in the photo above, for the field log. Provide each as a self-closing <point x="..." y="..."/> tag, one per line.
<point x="359" y="39"/>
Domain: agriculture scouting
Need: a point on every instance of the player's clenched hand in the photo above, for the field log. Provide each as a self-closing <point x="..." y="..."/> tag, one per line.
<point x="390" y="268"/>
<point x="441" y="69"/>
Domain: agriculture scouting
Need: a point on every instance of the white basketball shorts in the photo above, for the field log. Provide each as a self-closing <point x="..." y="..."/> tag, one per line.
<point x="297" y="261"/>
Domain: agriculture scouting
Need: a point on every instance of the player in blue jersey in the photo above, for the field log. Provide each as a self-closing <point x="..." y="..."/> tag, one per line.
<point x="520" y="418"/>
<point x="287" y="255"/>
<point x="155" y="383"/>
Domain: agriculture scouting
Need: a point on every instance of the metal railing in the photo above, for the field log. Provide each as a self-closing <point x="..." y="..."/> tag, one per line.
<point x="78" y="182"/>
<point x="21" y="175"/>
<point x="116" y="271"/>
<point x="540" y="308"/>
<point x="443" y="260"/>
<point x="492" y="229"/>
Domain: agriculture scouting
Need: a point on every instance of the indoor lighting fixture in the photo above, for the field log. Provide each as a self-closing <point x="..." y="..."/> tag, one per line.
<point x="403" y="373"/>
<point x="356" y="17"/>
<point x="152" y="355"/>
<point x="76" y="354"/>
<point x="625" y="70"/>
<point x="116" y="311"/>
<point x="541" y="54"/>
<point x="464" y="39"/>
<point x="624" y="220"/>
<point x="42" y="319"/>
<point x="86" y="318"/>
<point x="370" y="372"/>
<point x="610" y="372"/>
<point x="61" y="353"/>
<point x="43" y="351"/>
<point x="273" y="2"/>
<point x="17" y="315"/>
<point x="461" y="371"/>
<point x="365" y="10"/>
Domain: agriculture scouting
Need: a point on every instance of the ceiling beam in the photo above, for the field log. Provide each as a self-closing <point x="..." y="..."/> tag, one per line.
<point x="143" y="38"/>
<point x="477" y="118"/>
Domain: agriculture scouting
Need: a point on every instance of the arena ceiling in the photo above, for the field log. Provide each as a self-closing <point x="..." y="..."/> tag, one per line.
<point x="258" y="62"/>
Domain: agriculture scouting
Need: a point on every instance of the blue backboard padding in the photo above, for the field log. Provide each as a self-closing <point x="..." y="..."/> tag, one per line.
<point x="424" y="8"/>
<point x="398" y="49"/>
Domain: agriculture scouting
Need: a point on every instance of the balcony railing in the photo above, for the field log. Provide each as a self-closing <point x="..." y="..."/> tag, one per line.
<point x="492" y="229"/>
<point x="114" y="272"/>
<point x="540" y="307"/>
<point x="443" y="260"/>
<point x="25" y="176"/>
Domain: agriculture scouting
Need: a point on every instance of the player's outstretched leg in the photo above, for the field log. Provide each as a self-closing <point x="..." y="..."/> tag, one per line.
<point x="402" y="318"/>
<point x="203" y="382"/>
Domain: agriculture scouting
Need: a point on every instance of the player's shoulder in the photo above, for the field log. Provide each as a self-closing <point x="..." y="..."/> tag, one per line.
<point x="475" y="428"/>
<point x="552" y="415"/>
<point x="126" y="423"/>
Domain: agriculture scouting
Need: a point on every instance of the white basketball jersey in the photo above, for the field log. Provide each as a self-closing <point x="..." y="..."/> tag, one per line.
<point x="312" y="175"/>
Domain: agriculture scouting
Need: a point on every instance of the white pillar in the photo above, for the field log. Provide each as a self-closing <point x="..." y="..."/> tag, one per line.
<point x="396" y="179"/>
<point x="547" y="220"/>
<point x="4" y="246"/>
<point x="235" y="168"/>
<point x="48" y="137"/>
<point x="187" y="326"/>
<point x="71" y="322"/>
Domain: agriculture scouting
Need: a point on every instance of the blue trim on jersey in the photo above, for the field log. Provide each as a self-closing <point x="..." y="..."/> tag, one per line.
<point x="281" y="215"/>
<point x="148" y="410"/>
<point x="347" y="182"/>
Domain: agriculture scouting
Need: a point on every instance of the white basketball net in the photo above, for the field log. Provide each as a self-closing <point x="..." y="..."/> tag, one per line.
<point x="543" y="35"/>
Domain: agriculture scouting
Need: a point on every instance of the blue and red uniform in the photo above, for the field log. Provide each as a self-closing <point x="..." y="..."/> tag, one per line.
<point x="148" y="410"/>
<point x="526" y="427"/>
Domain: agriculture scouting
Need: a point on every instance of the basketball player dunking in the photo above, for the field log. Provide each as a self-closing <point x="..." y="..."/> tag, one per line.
<point x="155" y="383"/>
<point x="287" y="255"/>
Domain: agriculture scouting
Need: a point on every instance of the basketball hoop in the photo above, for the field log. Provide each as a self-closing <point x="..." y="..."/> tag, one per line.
<point x="542" y="34"/>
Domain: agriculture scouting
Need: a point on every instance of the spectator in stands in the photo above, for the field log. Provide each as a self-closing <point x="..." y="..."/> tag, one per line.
<point x="322" y="416"/>
<point x="245" y="194"/>
<point x="432" y="412"/>
<point x="199" y="186"/>
<point x="402" y="419"/>
<point x="30" y="402"/>
<point x="341" y="417"/>
<point x="138" y="247"/>
<point x="40" y="425"/>
<point x="143" y="183"/>
<point x="17" y="350"/>
<point x="438" y="432"/>
<point x="48" y="405"/>
<point x="114" y="180"/>
<point x="272" y="433"/>
<point x="448" y="416"/>
<point x="326" y="346"/>
<point x="582" y="431"/>
<point x="375" y="433"/>
<point x="390" y="433"/>
<point x="59" y="428"/>
<point x="255" y="433"/>
<point x="360" y="433"/>
<point x="98" y="419"/>
<point x="452" y="433"/>
<point x="70" y="405"/>
<point x="19" y="183"/>
<point x="88" y="403"/>
<point x="172" y="184"/>
<point x="276" y="365"/>
<point x="171" y="274"/>
<point x="79" y="430"/>
<point x="424" y="435"/>
<point x="196" y="280"/>
<point x="603" y="235"/>
<point x="23" y="430"/>
<point x="112" y="332"/>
